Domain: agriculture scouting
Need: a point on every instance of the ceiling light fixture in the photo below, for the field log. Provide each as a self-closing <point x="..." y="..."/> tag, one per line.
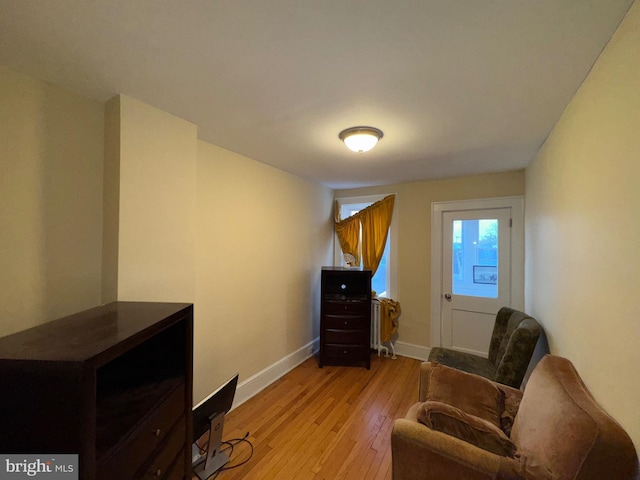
<point x="360" y="139"/>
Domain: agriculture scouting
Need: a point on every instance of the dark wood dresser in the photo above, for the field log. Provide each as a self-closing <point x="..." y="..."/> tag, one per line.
<point x="112" y="384"/>
<point x="345" y="317"/>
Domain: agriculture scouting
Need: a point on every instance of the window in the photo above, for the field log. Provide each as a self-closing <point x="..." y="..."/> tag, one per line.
<point x="475" y="258"/>
<point x="381" y="283"/>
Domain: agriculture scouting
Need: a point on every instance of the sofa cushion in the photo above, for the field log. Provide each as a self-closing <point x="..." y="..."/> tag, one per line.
<point x="473" y="394"/>
<point x="477" y="431"/>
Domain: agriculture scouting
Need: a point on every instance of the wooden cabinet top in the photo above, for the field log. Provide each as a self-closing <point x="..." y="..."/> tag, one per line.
<point x="96" y="335"/>
<point x="345" y="269"/>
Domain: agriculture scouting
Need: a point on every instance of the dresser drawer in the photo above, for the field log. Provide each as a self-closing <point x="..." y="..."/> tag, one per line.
<point x="176" y="469"/>
<point x="346" y="322"/>
<point x="140" y="444"/>
<point x="165" y="456"/>
<point x="346" y="337"/>
<point x="350" y="308"/>
<point x="346" y="353"/>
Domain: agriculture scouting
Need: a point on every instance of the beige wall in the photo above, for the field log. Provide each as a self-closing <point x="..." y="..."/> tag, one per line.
<point x="583" y="232"/>
<point x="183" y="221"/>
<point x="196" y="223"/>
<point x="51" y="201"/>
<point x="150" y="172"/>
<point x="413" y="214"/>
<point x="263" y="235"/>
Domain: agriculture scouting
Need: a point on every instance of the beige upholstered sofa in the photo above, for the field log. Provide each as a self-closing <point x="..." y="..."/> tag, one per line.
<point x="556" y="430"/>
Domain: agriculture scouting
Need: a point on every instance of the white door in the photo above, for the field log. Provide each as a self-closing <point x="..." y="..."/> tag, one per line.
<point x="475" y="278"/>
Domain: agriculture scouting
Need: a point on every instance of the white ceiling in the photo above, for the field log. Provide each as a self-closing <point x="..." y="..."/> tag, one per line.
<point x="458" y="86"/>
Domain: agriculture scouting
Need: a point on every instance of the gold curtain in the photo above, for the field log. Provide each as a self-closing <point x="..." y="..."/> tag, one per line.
<point x="375" y="220"/>
<point x="348" y="231"/>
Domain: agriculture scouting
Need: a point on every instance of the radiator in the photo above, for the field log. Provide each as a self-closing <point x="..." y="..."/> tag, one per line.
<point x="376" y="344"/>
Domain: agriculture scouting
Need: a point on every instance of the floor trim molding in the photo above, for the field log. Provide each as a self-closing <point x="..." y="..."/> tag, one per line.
<point x="412" y="351"/>
<point x="261" y="380"/>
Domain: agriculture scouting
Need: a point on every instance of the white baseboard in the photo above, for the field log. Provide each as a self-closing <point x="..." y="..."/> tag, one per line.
<point x="412" y="351"/>
<point x="261" y="380"/>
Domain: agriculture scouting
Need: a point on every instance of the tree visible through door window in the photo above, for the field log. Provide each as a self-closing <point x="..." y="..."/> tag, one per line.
<point x="475" y="258"/>
<point x="380" y="283"/>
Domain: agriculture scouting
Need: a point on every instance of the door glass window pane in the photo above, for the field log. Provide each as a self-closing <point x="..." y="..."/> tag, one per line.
<point x="475" y="258"/>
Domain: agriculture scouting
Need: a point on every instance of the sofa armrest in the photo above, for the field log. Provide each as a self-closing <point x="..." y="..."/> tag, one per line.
<point x="420" y="453"/>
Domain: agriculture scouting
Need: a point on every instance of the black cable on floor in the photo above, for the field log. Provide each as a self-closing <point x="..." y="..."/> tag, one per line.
<point x="229" y="451"/>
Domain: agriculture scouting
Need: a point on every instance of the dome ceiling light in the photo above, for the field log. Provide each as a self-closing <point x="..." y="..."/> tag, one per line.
<point x="360" y="139"/>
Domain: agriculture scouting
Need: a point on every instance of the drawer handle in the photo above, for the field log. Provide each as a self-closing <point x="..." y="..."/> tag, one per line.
<point x="345" y="351"/>
<point x="346" y="323"/>
<point x="158" y="473"/>
<point x="157" y="432"/>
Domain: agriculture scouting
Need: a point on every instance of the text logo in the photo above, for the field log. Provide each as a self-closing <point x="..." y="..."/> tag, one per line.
<point x="49" y="467"/>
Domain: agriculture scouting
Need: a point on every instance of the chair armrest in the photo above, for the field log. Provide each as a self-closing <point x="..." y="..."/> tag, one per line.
<point x="420" y="453"/>
<point x="510" y="391"/>
<point x="520" y="347"/>
<point x="423" y="381"/>
<point x="499" y="331"/>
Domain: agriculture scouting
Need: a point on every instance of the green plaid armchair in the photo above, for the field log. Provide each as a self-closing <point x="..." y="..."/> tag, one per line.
<point x="513" y="341"/>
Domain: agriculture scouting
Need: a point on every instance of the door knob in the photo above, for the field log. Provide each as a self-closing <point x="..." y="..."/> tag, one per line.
<point x="447" y="297"/>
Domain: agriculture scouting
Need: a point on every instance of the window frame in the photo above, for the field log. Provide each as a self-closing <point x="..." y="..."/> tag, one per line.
<point x="392" y="268"/>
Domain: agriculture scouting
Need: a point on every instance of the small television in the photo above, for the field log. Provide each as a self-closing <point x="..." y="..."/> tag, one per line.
<point x="208" y="418"/>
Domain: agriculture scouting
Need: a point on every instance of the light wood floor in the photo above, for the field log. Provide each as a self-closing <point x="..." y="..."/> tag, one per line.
<point x="323" y="423"/>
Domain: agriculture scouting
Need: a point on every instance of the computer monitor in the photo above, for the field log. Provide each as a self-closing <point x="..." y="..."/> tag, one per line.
<point x="208" y="417"/>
